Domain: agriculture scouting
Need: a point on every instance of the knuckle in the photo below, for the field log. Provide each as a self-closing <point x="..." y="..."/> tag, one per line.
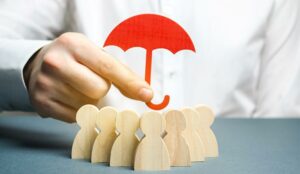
<point x="43" y="83"/>
<point x="51" y="60"/>
<point x="96" y="94"/>
<point x="106" y="68"/>
<point x="100" y="91"/>
<point x="40" y="101"/>
<point x="70" y="39"/>
<point x="65" y="38"/>
<point x="105" y="88"/>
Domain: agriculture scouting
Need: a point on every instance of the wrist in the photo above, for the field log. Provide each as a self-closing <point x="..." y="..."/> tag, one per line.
<point x="28" y="68"/>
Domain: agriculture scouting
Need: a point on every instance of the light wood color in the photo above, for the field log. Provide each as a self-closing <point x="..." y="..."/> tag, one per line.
<point x="84" y="140"/>
<point x="196" y="146"/>
<point x="207" y="117"/>
<point x="177" y="146"/>
<point x="124" y="147"/>
<point x="152" y="152"/>
<point x="106" y="122"/>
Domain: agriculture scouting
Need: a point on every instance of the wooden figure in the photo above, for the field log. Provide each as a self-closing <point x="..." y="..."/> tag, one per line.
<point x="177" y="146"/>
<point x="124" y="147"/>
<point x="152" y="152"/>
<point x="106" y="121"/>
<point x="207" y="117"/>
<point x="84" y="140"/>
<point x="196" y="146"/>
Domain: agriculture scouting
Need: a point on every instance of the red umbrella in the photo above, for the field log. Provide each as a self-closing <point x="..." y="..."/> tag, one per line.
<point x="150" y="31"/>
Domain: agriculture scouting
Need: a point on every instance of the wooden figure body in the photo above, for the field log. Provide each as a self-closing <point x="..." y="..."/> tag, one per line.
<point x="195" y="143"/>
<point x="152" y="152"/>
<point x="177" y="146"/>
<point x="84" y="140"/>
<point x="124" y="147"/>
<point x="207" y="117"/>
<point x="106" y="121"/>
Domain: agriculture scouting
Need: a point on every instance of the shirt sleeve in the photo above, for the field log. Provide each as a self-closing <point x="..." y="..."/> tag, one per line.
<point x="25" y="27"/>
<point x="278" y="91"/>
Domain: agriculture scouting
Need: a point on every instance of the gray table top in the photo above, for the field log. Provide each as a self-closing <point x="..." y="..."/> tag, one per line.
<point x="29" y="144"/>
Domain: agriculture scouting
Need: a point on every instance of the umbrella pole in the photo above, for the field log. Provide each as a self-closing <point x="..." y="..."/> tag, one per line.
<point x="166" y="100"/>
<point x="148" y="66"/>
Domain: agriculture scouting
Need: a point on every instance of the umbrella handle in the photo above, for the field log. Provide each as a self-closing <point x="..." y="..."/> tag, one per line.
<point x="160" y="106"/>
<point x="166" y="100"/>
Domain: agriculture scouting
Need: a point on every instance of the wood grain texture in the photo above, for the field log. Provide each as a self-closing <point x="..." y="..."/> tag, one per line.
<point x="207" y="118"/>
<point x="105" y="121"/>
<point x="124" y="147"/>
<point x="84" y="140"/>
<point x="177" y="146"/>
<point x="196" y="146"/>
<point x="152" y="152"/>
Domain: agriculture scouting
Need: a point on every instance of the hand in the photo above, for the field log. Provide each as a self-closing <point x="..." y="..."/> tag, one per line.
<point x="71" y="72"/>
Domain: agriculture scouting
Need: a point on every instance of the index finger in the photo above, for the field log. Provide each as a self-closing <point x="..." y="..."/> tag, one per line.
<point x="129" y="83"/>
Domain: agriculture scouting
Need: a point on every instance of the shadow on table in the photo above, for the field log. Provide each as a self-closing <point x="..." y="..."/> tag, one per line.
<point x="34" y="139"/>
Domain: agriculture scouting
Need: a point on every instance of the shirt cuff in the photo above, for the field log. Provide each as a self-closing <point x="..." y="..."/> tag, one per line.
<point x="14" y="55"/>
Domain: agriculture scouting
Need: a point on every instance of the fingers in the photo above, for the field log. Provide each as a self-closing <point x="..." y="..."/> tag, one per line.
<point x="71" y="97"/>
<point x="122" y="77"/>
<point x="71" y="72"/>
<point x="57" y="85"/>
<point x="52" y="108"/>
<point x="60" y="111"/>
<point x="62" y="66"/>
<point x="57" y="99"/>
<point x="108" y="67"/>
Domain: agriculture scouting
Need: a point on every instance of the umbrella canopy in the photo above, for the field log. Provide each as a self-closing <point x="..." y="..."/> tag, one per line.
<point x="150" y="31"/>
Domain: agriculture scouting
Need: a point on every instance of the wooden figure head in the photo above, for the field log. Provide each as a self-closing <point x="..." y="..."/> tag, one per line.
<point x="86" y="116"/>
<point x="127" y="121"/>
<point x="175" y="120"/>
<point x="206" y="114"/>
<point x="192" y="117"/>
<point x="106" y="119"/>
<point x="152" y="123"/>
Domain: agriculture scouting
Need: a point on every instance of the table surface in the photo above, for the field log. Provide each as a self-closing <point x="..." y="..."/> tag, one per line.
<point x="29" y="144"/>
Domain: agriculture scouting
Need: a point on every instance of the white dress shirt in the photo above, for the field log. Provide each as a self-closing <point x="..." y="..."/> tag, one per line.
<point x="246" y="64"/>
